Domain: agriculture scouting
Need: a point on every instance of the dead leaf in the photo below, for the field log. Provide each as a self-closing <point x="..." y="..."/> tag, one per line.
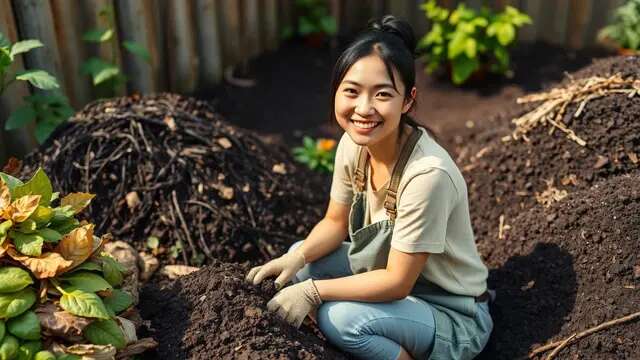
<point x="246" y="188"/>
<point x="148" y="265"/>
<point x="57" y="322"/>
<point x="125" y="254"/>
<point x="570" y="179"/>
<point x="5" y="197"/>
<point x="133" y="200"/>
<point x="128" y="329"/>
<point x="170" y="122"/>
<point x="78" y="201"/>
<point x="92" y="352"/>
<point x="602" y="161"/>
<point x="224" y="142"/>
<point x="77" y="245"/>
<point x="224" y="191"/>
<point x="279" y="168"/>
<point x="633" y="157"/>
<point x="175" y="271"/>
<point x="12" y="167"/>
<point x="23" y="207"/>
<point x="47" y="265"/>
<point x="528" y="286"/>
<point x="136" y="348"/>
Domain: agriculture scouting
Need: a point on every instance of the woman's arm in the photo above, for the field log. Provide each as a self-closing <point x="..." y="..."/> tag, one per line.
<point x="393" y="283"/>
<point x="328" y="234"/>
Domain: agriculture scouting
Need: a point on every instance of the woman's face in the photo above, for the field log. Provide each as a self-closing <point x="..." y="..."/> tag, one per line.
<point x="367" y="106"/>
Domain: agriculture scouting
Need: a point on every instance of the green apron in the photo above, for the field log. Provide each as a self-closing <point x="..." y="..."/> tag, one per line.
<point x="459" y="334"/>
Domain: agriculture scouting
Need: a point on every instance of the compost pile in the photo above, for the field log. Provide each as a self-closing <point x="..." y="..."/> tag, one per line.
<point x="510" y="170"/>
<point x="215" y="314"/>
<point x="169" y="167"/>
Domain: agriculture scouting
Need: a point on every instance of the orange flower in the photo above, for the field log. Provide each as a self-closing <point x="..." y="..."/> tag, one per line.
<point x="325" y="144"/>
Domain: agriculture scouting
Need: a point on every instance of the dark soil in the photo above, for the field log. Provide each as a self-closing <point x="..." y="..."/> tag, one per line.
<point x="212" y="189"/>
<point x="215" y="314"/>
<point x="568" y="268"/>
<point x="505" y="177"/>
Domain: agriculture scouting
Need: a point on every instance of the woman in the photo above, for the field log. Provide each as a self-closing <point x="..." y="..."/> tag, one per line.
<point x="410" y="283"/>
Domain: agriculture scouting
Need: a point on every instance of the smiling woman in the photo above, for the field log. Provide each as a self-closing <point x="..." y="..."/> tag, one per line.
<point x="410" y="282"/>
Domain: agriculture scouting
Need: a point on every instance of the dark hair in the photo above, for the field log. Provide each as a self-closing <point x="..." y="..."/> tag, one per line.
<point x="394" y="42"/>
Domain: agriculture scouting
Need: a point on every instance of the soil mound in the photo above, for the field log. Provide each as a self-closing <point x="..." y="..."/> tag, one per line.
<point x="170" y="167"/>
<point x="506" y="178"/>
<point x="215" y="314"/>
<point x="568" y="268"/>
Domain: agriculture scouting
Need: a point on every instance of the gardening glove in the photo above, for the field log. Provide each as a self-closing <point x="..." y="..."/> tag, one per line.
<point x="294" y="302"/>
<point x="284" y="267"/>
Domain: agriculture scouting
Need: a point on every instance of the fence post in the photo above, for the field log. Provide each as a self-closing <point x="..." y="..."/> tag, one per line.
<point x="182" y="54"/>
<point x="209" y="43"/>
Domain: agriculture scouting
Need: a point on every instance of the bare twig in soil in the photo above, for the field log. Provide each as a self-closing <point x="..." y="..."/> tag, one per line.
<point x="550" y="195"/>
<point x="559" y="345"/>
<point x="555" y="102"/>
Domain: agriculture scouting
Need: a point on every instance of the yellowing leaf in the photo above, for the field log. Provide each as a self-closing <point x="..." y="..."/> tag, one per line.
<point x="44" y="266"/>
<point x="77" y="245"/>
<point x="23" y="207"/>
<point x="5" y="196"/>
<point x="77" y="201"/>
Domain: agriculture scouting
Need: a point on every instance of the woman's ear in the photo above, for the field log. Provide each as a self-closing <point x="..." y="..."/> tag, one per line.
<point x="409" y="101"/>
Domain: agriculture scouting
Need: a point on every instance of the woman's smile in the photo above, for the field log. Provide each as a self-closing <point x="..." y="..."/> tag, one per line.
<point x="365" y="127"/>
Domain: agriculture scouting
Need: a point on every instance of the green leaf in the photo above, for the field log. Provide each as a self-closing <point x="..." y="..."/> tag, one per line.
<point x="118" y="301"/>
<point x="44" y="355"/>
<point x="20" y="117"/>
<point x="25" y="326"/>
<point x="112" y="270"/>
<point x="86" y="281"/>
<point x="24" y="46"/>
<point x="28" y="350"/>
<point x="98" y="35"/>
<point x="38" y="78"/>
<point x="506" y="34"/>
<point x="88" y="266"/>
<point x="137" y="50"/>
<point x="463" y="67"/>
<point x="44" y="129"/>
<point x="69" y="357"/>
<point x="27" y="227"/>
<point x="3" y="329"/>
<point x="14" y="304"/>
<point x="64" y="226"/>
<point x="470" y="48"/>
<point x="85" y="304"/>
<point x="13" y="279"/>
<point x="105" y="332"/>
<point x="4" y="42"/>
<point x="328" y="25"/>
<point x="27" y="244"/>
<point x="50" y="235"/>
<point x="11" y="182"/>
<point x="105" y="74"/>
<point x="9" y="348"/>
<point x="39" y="184"/>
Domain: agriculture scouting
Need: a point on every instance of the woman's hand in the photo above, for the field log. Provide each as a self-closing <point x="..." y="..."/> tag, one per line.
<point x="284" y="267"/>
<point x="294" y="302"/>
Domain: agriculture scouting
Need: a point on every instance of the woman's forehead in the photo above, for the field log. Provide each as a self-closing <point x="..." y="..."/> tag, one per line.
<point x="369" y="71"/>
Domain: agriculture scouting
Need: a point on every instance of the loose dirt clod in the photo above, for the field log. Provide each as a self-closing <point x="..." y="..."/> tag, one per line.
<point x="170" y="167"/>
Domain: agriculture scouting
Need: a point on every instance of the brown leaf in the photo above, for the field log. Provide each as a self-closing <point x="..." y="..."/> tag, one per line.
<point x="77" y="245"/>
<point x="92" y="352"/>
<point x="224" y="142"/>
<point x="12" y="167"/>
<point x="137" y="347"/>
<point x="133" y="200"/>
<point x="602" y="161"/>
<point x="5" y="196"/>
<point x="279" y="168"/>
<point x="175" y="271"/>
<point x="78" y="201"/>
<point x="60" y="323"/>
<point x="44" y="266"/>
<point x="23" y="207"/>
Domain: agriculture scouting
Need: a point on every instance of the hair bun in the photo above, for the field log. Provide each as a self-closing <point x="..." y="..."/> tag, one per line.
<point x="400" y="28"/>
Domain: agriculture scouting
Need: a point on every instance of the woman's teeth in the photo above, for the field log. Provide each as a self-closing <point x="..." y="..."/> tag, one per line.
<point x="365" y="124"/>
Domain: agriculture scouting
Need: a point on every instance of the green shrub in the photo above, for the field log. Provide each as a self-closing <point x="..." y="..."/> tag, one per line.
<point x="468" y="40"/>
<point x="313" y="18"/>
<point x="625" y="27"/>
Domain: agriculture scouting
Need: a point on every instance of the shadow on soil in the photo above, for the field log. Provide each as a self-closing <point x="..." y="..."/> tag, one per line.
<point x="534" y="295"/>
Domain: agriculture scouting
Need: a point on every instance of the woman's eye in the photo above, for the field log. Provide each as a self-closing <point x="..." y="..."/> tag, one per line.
<point x="384" y="94"/>
<point x="350" y="91"/>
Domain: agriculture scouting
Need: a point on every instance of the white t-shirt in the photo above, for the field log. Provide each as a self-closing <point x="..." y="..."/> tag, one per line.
<point x="432" y="213"/>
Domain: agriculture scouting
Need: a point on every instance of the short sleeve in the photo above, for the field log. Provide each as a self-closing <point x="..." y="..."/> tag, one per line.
<point x="341" y="185"/>
<point x="423" y="212"/>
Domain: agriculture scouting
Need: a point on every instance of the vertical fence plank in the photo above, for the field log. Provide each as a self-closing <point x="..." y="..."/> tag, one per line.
<point x="69" y="38"/>
<point x="530" y="33"/>
<point x="136" y="23"/>
<point x="209" y="43"/>
<point x="182" y="61"/>
<point x="16" y="142"/>
<point x="251" y="24"/>
<point x="229" y="13"/>
<point x="579" y="14"/>
<point x="271" y="38"/>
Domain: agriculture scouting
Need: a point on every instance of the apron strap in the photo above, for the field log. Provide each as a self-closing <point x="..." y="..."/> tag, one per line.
<point x="392" y="190"/>
<point x="391" y="196"/>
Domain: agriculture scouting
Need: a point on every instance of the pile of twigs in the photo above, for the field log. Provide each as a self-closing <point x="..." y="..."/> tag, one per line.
<point x="169" y="167"/>
<point x="555" y="103"/>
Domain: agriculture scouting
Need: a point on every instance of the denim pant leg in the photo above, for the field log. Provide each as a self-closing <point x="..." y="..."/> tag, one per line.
<point x="331" y="266"/>
<point x="378" y="330"/>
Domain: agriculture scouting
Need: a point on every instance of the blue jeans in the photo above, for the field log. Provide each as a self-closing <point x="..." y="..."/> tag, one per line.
<point x="371" y="330"/>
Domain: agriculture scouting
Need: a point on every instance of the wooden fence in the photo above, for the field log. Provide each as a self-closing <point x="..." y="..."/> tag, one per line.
<point x="191" y="42"/>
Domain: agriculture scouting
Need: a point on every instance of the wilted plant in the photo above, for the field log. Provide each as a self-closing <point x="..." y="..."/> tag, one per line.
<point x="106" y="74"/>
<point x="625" y="27"/>
<point x="55" y="280"/>
<point x="47" y="110"/>
<point x="468" y="40"/>
<point x="317" y="154"/>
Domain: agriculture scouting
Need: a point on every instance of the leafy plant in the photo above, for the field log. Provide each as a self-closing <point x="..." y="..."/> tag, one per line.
<point x="313" y="18"/>
<point x="48" y="111"/>
<point x="54" y="278"/>
<point x="625" y="27"/>
<point x="468" y="40"/>
<point x="317" y="154"/>
<point x="105" y="73"/>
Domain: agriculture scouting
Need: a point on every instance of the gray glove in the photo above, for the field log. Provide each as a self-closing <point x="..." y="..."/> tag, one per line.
<point x="294" y="302"/>
<point x="284" y="267"/>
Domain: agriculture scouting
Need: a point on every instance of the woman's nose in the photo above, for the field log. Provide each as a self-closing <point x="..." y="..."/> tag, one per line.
<point x="364" y="108"/>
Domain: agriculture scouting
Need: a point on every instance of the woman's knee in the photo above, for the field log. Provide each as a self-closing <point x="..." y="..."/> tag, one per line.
<point x="338" y="322"/>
